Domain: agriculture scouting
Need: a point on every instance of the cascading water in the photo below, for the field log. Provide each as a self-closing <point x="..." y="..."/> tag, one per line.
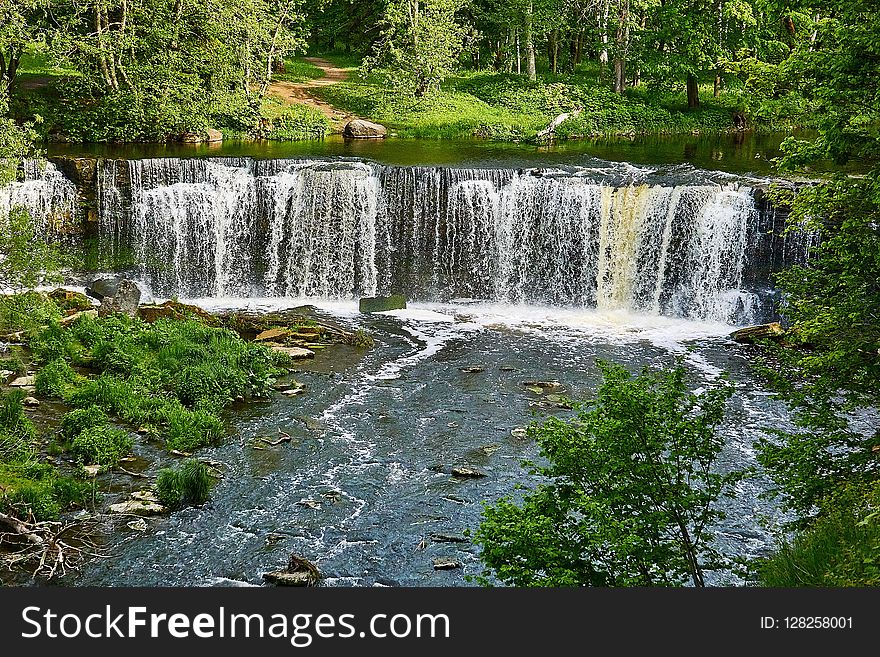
<point x="238" y="228"/>
<point x="44" y="192"/>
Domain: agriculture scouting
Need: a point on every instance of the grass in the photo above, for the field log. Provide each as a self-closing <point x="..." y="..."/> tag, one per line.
<point x="293" y="122"/>
<point x="187" y="484"/>
<point x="509" y="107"/>
<point x="297" y="69"/>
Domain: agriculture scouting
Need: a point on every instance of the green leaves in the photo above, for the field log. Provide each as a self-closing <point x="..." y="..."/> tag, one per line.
<point x="630" y="490"/>
<point x="29" y="259"/>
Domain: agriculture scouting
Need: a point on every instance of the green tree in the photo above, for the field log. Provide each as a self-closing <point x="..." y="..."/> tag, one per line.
<point x="16" y="143"/>
<point x="28" y="258"/>
<point x="630" y="493"/>
<point x="420" y="44"/>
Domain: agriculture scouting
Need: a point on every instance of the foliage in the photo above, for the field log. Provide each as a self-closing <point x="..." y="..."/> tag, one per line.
<point x="27" y="312"/>
<point x="187" y="484"/>
<point x="17" y="432"/>
<point x="38" y="489"/>
<point x="101" y="444"/>
<point x="630" y="491"/>
<point x="294" y="122"/>
<point x="16" y="142"/>
<point x="419" y="44"/>
<point x="841" y="548"/>
<point x="29" y="259"/>
<point x="171" y="378"/>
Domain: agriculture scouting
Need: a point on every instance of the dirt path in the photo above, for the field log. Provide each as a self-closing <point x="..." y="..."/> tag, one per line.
<point x="298" y="92"/>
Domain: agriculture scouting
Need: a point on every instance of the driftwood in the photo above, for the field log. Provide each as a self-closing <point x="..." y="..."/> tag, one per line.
<point x="41" y="544"/>
<point x="548" y="132"/>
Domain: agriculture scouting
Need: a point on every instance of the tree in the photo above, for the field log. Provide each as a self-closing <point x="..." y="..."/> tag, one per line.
<point x="28" y="258"/>
<point x="419" y="45"/>
<point x="16" y="143"/>
<point x="630" y="493"/>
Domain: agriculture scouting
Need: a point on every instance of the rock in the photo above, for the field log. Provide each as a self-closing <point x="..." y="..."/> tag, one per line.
<point x="272" y="334"/>
<point x="139" y="525"/>
<point x="293" y="392"/>
<point x="382" y="304"/>
<point x="488" y="450"/>
<point x="749" y="334"/>
<point x="448" y="538"/>
<point x="5" y="374"/>
<point x="294" y="352"/>
<point x="472" y="369"/>
<point x="299" y="572"/>
<point x="519" y="432"/>
<point x="125" y="301"/>
<point x="190" y="138"/>
<point x="507" y="368"/>
<point x="310" y="504"/>
<point x="23" y="381"/>
<point x="104" y="287"/>
<point x="70" y="300"/>
<point x="92" y="470"/>
<point x="30" y="402"/>
<point x="360" y="129"/>
<point x="70" y="319"/>
<point x="175" y="310"/>
<point x="544" y="386"/>
<point x="445" y="563"/>
<point x="145" y="496"/>
<point x="213" y="136"/>
<point x="470" y="473"/>
<point x="138" y="508"/>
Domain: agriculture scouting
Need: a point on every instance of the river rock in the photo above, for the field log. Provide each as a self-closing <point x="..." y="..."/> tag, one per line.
<point x="448" y="538"/>
<point x="213" y="136"/>
<point x="294" y="352"/>
<point x="544" y="386"/>
<point x="469" y="473"/>
<point x="472" y="369"/>
<point x="299" y="572"/>
<point x="172" y="309"/>
<point x="445" y="563"/>
<point x="125" y="301"/>
<point x="360" y="129"/>
<point x="138" y="508"/>
<point x="748" y="335"/>
<point x="382" y="304"/>
<point x="24" y="381"/>
<point x="272" y="334"/>
<point x="30" y="402"/>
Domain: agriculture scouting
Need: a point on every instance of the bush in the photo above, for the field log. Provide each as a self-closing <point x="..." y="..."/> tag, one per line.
<point x="38" y="489"/>
<point x="187" y="484"/>
<point x="27" y="312"/>
<point x="77" y="421"/>
<point x="56" y="379"/>
<point x="101" y="444"/>
<point x="17" y="433"/>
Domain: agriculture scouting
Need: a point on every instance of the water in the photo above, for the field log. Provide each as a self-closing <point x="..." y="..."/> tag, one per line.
<point x="44" y="192"/>
<point x="674" y="241"/>
<point x="366" y="482"/>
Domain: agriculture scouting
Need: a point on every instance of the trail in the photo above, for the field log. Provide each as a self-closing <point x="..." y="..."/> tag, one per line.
<point x="299" y="92"/>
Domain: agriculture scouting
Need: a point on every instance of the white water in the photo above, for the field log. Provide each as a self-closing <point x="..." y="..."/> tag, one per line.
<point x="45" y="193"/>
<point x="340" y="230"/>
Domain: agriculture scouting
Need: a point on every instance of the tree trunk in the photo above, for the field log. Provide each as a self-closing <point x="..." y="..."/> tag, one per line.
<point x="553" y="50"/>
<point x="693" y="91"/>
<point x="621" y="47"/>
<point x="518" y="56"/>
<point x="603" y="38"/>
<point x="530" y="44"/>
<point x="716" y="89"/>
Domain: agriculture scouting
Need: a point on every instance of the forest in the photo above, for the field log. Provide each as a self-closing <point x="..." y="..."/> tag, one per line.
<point x="529" y="72"/>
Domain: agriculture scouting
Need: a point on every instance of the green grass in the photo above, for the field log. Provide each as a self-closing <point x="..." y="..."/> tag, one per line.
<point x="509" y="107"/>
<point x="186" y="484"/>
<point x="296" y="69"/>
<point x="293" y="122"/>
<point x="35" y="63"/>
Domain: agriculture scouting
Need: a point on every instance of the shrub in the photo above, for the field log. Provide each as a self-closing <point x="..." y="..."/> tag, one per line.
<point x="187" y="484"/>
<point x="27" y="312"/>
<point x="77" y="421"/>
<point x="101" y="444"/>
<point x="56" y="379"/>
<point x="38" y="489"/>
<point x="17" y="433"/>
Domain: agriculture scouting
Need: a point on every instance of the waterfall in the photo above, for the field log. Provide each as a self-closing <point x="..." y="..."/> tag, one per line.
<point x="342" y="229"/>
<point x="45" y="193"/>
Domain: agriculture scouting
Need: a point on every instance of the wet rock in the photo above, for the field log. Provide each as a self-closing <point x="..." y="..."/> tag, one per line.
<point x="213" y="136"/>
<point x="507" y="368"/>
<point x="466" y="472"/>
<point x="544" y="386"/>
<point x="448" y="538"/>
<point x="472" y="369"/>
<point x="294" y="352"/>
<point x="360" y="129"/>
<point x="139" y="525"/>
<point x="382" y="304"/>
<point x="456" y="499"/>
<point x="293" y="392"/>
<point x="488" y="450"/>
<point x="310" y="504"/>
<point x="125" y="301"/>
<point x="24" y="381"/>
<point x="272" y="334"/>
<point x="175" y="310"/>
<point x="446" y="563"/>
<point x="138" y="508"/>
<point x="749" y="334"/>
<point x="299" y="572"/>
<point x="519" y="432"/>
<point x="104" y="287"/>
<point x="145" y="496"/>
<point x="31" y="402"/>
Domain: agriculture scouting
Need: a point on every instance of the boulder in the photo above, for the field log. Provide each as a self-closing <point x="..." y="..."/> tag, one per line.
<point x="445" y="563"/>
<point x="272" y="334"/>
<point x="544" y="386"/>
<point x="23" y="382"/>
<point x="748" y="335"/>
<point x="190" y="138"/>
<point x="360" y="129"/>
<point x="31" y="402"/>
<point x="213" y="136"/>
<point x="299" y="572"/>
<point x="382" y="304"/>
<point x="104" y="287"/>
<point x="175" y="310"/>
<point x="125" y="301"/>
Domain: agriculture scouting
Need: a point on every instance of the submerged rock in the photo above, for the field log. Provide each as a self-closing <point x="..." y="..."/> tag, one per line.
<point x="472" y="369"/>
<point x="544" y="386"/>
<point x="382" y="304"/>
<point x="470" y="473"/>
<point x="446" y="563"/>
